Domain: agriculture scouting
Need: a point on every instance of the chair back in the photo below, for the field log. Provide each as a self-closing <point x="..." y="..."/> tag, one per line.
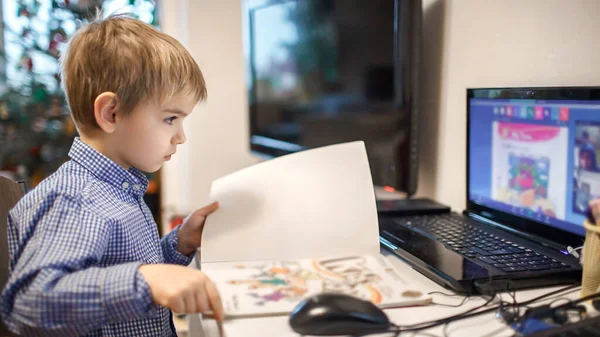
<point x="10" y="193"/>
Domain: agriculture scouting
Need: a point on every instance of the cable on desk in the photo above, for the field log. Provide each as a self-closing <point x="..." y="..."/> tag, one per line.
<point x="464" y="300"/>
<point x="470" y="313"/>
<point x="561" y="290"/>
<point x="442" y="293"/>
<point x="560" y="314"/>
<point x="560" y="299"/>
<point x="447" y="324"/>
<point x="514" y="297"/>
<point x="515" y="304"/>
<point x="397" y="329"/>
<point x="424" y="325"/>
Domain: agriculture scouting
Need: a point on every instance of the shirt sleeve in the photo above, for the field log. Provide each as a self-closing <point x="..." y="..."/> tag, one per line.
<point x="169" y="247"/>
<point x="55" y="286"/>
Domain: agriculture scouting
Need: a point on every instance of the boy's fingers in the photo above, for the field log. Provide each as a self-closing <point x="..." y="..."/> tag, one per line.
<point x="177" y="305"/>
<point x="206" y="210"/>
<point x="189" y="304"/>
<point x="215" y="301"/>
<point x="201" y="302"/>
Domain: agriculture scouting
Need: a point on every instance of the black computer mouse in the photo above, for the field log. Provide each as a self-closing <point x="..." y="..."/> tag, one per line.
<point x="331" y="314"/>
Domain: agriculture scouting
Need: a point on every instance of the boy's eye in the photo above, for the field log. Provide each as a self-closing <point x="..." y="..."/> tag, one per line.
<point x="170" y="120"/>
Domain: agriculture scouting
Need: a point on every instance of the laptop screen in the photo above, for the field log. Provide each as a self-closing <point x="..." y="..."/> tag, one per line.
<point x="535" y="158"/>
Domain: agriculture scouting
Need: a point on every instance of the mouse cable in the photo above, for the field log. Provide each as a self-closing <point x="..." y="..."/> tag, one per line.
<point x="397" y="329"/>
<point x="525" y="303"/>
<point x="516" y="306"/>
<point x="443" y="293"/>
<point x="417" y="327"/>
<point x="502" y="302"/>
<point x="469" y="313"/>
<point x="579" y="300"/>
<point x="462" y="302"/>
<point x="449" y="318"/>
<point x="547" y="310"/>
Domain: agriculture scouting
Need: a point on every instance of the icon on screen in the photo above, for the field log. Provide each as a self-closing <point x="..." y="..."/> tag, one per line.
<point x="539" y="112"/>
<point x="564" y="114"/>
<point x="530" y="113"/>
<point x="546" y="113"/>
<point x="509" y="110"/>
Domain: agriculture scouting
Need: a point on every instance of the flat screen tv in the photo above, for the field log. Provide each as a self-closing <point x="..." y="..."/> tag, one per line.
<point x="322" y="72"/>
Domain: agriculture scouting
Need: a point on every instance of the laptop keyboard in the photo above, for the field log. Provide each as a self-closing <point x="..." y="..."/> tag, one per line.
<point x="476" y="243"/>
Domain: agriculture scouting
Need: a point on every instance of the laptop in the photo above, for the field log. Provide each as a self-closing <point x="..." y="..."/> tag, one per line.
<point x="532" y="168"/>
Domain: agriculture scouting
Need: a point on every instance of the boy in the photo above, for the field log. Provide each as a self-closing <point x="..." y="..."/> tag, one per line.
<point x="85" y="256"/>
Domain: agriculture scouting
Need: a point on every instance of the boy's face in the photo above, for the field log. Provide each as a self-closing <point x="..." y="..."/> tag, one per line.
<point x="148" y="136"/>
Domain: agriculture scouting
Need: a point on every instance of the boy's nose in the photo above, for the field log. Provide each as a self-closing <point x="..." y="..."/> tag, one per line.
<point x="180" y="137"/>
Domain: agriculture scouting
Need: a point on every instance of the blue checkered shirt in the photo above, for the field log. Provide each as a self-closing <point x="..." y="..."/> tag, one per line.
<point x="76" y="242"/>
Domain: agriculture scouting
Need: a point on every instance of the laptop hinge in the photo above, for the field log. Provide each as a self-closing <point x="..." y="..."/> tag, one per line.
<point x="535" y="238"/>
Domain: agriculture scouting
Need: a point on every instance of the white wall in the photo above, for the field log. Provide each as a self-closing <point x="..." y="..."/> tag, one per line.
<point x="217" y="130"/>
<point x="507" y="43"/>
<point x="467" y="43"/>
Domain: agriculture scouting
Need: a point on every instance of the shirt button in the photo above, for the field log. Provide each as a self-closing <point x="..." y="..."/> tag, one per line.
<point x="125" y="185"/>
<point x="136" y="187"/>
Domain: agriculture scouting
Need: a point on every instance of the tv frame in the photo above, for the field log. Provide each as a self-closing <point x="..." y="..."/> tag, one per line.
<point x="408" y="36"/>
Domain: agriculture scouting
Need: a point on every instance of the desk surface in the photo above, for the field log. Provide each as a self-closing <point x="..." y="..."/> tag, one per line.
<point x="484" y="325"/>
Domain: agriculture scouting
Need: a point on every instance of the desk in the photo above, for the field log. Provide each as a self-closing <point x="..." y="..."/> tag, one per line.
<point x="484" y="325"/>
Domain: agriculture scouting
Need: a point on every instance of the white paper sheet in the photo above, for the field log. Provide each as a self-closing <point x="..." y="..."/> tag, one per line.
<point x="313" y="203"/>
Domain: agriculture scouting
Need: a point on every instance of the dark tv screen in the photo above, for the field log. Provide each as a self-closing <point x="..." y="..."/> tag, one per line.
<point x="322" y="72"/>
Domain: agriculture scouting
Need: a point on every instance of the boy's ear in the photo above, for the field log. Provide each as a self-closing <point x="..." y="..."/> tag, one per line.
<point x="105" y="111"/>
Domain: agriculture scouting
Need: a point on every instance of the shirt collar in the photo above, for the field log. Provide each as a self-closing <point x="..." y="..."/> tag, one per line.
<point x="132" y="181"/>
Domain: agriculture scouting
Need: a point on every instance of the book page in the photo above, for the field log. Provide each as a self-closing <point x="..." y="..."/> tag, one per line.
<point x="264" y="288"/>
<point x="525" y="170"/>
<point x="314" y="203"/>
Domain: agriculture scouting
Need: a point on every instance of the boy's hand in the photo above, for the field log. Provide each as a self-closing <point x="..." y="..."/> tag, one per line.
<point x="190" y="233"/>
<point x="182" y="289"/>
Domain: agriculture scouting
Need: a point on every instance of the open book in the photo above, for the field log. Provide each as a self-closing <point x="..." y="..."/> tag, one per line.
<point x="264" y="288"/>
<point x="291" y="214"/>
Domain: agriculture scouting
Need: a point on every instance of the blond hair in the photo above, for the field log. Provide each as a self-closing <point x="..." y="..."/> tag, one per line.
<point x="130" y="58"/>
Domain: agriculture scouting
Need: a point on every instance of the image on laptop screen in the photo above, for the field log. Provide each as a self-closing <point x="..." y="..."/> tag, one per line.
<point x="537" y="159"/>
